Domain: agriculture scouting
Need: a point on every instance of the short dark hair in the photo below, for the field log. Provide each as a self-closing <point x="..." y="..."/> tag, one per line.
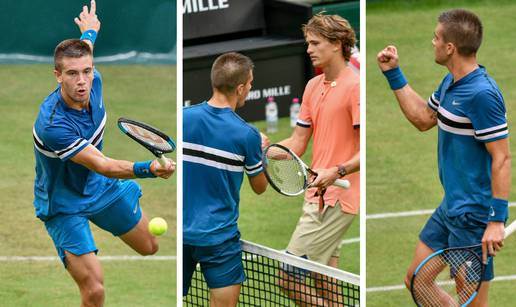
<point x="70" y="48"/>
<point x="463" y="29"/>
<point x="333" y="28"/>
<point x="230" y="70"/>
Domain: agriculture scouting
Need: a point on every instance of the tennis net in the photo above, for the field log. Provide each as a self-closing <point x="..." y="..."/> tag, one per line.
<point x="276" y="278"/>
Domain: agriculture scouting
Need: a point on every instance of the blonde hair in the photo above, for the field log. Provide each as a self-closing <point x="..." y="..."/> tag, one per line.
<point x="333" y="28"/>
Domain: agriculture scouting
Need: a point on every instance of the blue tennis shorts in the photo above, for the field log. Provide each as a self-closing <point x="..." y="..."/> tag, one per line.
<point x="73" y="234"/>
<point x="221" y="264"/>
<point x="442" y="232"/>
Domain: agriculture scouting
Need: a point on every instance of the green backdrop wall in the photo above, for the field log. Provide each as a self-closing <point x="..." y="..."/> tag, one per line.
<point x="132" y="30"/>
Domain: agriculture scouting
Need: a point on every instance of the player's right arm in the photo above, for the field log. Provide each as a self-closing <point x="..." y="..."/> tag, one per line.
<point x="413" y="106"/>
<point x="299" y="139"/>
<point x="93" y="159"/>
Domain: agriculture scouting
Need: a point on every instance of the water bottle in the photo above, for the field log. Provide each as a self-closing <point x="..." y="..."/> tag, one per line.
<point x="271" y="115"/>
<point x="294" y="111"/>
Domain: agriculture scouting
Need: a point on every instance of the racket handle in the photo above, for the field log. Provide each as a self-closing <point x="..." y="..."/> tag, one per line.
<point x="343" y="183"/>
<point x="162" y="161"/>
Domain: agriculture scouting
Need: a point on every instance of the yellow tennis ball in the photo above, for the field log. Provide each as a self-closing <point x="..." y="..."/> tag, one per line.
<point x="158" y="226"/>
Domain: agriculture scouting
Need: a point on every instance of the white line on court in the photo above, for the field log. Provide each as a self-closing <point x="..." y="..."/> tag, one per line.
<point x="408" y="213"/>
<point x="350" y="241"/>
<point x="102" y="258"/>
<point x="401" y="287"/>
<point x="416" y="213"/>
<point x="117" y="258"/>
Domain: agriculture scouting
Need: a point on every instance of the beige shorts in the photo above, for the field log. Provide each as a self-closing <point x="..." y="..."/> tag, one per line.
<point x="318" y="235"/>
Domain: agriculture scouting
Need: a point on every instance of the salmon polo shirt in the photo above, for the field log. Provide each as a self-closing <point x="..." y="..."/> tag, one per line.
<point x="332" y="108"/>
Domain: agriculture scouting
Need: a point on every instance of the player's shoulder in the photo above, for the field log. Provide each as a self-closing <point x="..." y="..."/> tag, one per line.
<point x="245" y="125"/>
<point x="50" y="106"/>
<point x="51" y="114"/>
<point x="97" y="74"/>
<point x="448" y="78"/>
<point x="193" y="110"/>
<point x="486" y="83"/>
<point x="315" y="81"/>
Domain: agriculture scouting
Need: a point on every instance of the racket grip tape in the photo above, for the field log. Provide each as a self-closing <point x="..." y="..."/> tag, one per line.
<point x="162" y="161"/>
<point x="343" y="183"/>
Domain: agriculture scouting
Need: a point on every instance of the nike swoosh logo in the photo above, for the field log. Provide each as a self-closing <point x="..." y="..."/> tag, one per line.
<point x="456" y="103"/>
<point x="135" y="208"/>
<point x="492" y="213"/>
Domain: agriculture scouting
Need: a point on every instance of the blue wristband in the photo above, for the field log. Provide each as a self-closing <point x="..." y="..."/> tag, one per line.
<point x="90" y="35"/>
<point x="395" y="78"/>
<point x="498" y="210"/>
<point x="142" y="169"/>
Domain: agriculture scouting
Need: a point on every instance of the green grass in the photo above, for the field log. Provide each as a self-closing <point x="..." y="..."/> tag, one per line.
<point x="269" y="219"/>
<point x="402" y="162"/>
<point x="141" y="92"/>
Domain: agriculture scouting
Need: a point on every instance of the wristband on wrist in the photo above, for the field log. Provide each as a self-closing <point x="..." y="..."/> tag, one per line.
<point x="142" y="169"/>
<point x="90" y="35"/>
<point x="395" y="78"/>
<point x="498" y="211"/>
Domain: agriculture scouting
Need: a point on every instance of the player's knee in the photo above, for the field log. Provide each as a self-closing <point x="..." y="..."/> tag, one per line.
<point x="150" y="248"/>
<point x="94" y="294"/>
<point x="283" y="282"/>
<point x="408" y="277"/>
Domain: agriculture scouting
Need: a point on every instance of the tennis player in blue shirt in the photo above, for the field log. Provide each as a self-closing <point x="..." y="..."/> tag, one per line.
<point x="75" y="183"/>
<point x="218" y="148"/>
<point x="473" y="151"/>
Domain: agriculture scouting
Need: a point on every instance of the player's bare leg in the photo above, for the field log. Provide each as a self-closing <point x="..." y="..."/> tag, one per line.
<point x="482" y="298"/>
<point x="298" y="291"/>
<point x="224" y="297"/>
<point x="421" y="253"/>
<point x="329" y="288"/>
<point x="140" y="239"/>
<point x="87" y="273"/>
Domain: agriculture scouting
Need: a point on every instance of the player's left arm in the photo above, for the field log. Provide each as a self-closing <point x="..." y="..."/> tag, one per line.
<point x="492" y="240"/>
<point x="88" y="21"/>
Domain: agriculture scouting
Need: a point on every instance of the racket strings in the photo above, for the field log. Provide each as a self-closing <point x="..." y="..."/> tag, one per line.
<point x="285" y="171"/>
<point x="148" y="137"/>
<point x="448" y="279"/>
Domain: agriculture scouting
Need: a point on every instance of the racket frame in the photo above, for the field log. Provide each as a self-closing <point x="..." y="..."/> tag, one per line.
<point x="304" y="169"/>
<point x="155" y="151"/>
<point x="508" y="231"/>
<point x="339" y="182"/>
<point x="469" y="249"/>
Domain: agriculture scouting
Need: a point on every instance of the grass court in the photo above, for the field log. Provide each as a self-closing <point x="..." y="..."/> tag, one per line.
<point x="146" y="93"/>
<point x="401" y="161"/>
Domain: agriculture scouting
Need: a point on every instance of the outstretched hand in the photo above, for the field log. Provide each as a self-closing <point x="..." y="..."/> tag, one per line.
<point x="88" y="20"/>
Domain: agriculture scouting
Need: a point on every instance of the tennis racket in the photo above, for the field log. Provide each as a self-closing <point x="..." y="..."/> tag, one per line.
<point x="149" y="137"/>
<point x="287" y="173"/>
<point x="450" y="277"/>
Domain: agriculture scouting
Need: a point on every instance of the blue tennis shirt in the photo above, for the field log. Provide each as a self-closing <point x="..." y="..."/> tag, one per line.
<point x="62" y="186"/>
<point x="218" y="147"/>
<point x="470" y="113"/>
